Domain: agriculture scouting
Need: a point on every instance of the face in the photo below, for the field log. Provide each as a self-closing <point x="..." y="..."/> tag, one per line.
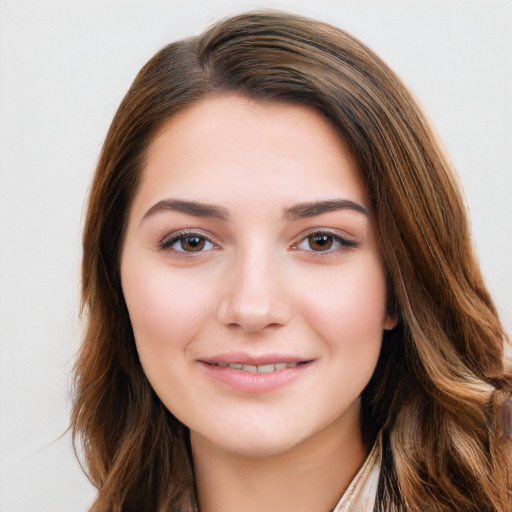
<point x="252" y="275"/>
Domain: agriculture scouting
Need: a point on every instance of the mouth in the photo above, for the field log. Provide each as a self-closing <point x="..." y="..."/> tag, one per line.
<point x="262" y="368"/>
<point x="243" y="373"/>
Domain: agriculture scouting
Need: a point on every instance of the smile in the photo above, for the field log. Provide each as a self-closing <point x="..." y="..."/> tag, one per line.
<point x="250" y="375"/>
<point x="263" y="368"/>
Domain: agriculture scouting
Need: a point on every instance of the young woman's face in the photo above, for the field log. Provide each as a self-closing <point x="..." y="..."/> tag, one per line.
<point x="253" y="277"/>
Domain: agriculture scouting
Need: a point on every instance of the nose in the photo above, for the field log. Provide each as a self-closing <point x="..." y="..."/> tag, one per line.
<point x="254" y="297"/>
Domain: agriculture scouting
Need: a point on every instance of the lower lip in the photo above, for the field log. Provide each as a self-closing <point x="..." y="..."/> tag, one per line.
<point x="248" y="382"/>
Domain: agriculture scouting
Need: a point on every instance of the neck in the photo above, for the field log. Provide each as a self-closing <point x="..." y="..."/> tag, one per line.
<point x="310" y="477"/>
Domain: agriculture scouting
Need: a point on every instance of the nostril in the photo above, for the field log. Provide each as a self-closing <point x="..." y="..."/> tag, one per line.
<point x="254" y="320"/>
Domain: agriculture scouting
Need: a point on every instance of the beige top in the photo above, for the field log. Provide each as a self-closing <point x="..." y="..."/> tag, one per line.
<point x="362" y="491"/>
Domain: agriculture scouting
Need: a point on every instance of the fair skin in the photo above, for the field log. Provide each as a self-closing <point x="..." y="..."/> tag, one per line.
<point x="251" y="242"/>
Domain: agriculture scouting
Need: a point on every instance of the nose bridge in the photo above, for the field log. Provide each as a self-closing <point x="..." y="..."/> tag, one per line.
<point x="255" y="297"/>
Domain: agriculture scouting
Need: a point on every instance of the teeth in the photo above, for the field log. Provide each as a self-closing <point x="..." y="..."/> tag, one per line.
<point x="267" y="368"/>
<point x="264" y="368"/>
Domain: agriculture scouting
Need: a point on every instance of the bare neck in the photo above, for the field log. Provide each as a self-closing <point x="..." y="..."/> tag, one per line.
<point x="311" y="477"/>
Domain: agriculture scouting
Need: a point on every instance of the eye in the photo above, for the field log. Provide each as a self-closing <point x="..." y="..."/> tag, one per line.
<point x="187" y="242"/>
<point x="324" y="242"/>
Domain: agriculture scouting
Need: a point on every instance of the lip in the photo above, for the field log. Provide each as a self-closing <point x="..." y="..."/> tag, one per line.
<point x="249" y="382"/>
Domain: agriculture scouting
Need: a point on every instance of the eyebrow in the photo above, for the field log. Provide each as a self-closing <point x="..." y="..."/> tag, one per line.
<point x="194" y="208"/>
<point x="303" y="210"/>
<point x="295" y="212"/>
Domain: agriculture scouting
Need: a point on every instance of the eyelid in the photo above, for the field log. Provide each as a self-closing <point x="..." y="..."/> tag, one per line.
<point x="344" y="240"/>
<point x="170" y="239"/>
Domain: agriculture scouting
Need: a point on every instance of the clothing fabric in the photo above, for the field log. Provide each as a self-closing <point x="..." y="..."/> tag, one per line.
<point x="361" y="494"/>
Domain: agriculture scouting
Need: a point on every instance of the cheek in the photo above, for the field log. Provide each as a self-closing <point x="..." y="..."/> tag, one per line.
<point x="168" y="311"/>
<point x="166" y="308"/>
<point x="347" y="308"/>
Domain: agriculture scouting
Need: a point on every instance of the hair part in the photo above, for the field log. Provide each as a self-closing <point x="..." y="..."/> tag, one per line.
<point x="440" y="373"/>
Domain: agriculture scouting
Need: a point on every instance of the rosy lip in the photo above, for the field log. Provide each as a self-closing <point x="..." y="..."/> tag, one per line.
<point x="254" y="382"/>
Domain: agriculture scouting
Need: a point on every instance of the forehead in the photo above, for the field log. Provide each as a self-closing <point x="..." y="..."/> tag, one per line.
<point x="229" y="148"/>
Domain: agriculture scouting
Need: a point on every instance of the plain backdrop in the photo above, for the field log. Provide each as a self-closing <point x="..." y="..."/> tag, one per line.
<point x="64" y="67"/>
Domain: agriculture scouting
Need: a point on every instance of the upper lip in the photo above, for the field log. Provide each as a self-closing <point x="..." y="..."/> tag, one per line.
<point x="253" y="359"/>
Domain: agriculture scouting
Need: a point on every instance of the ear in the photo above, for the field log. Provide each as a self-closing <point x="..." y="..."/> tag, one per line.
<point x="390" y="322"/>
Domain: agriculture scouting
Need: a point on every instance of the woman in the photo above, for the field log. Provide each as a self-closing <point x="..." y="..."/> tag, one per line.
<point x="284" y="310"/>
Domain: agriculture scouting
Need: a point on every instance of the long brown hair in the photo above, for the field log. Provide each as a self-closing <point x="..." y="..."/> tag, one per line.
<point x="441" y="372"/>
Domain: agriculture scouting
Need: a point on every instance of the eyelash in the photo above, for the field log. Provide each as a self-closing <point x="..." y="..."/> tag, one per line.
<point x="339" y="242"/>
<point x="173" y="238"/>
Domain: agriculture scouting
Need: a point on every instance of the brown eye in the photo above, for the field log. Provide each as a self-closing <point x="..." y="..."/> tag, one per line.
<point x="192" y="243"/>
<point x="320" y="242"/>
<point x="185" y="242"/>
<point x="325" y="242"/>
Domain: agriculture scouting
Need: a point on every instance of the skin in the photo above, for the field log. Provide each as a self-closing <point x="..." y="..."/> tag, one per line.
<point x="257" y="284"/>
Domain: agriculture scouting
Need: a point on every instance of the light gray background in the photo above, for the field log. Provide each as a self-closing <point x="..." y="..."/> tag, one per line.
<point x="64" y="67"/>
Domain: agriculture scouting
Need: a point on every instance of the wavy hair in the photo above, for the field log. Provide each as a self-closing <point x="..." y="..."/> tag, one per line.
<point x="441" y="371"/>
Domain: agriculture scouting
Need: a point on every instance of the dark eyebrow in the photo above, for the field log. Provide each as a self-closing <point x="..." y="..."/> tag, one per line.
<point x="302" y="210"/>
<point x="194" y="208"/>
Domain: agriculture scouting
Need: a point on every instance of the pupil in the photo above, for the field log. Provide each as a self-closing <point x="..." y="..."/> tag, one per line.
<point x="192" y="243"/>
<point x="320" y="242"/>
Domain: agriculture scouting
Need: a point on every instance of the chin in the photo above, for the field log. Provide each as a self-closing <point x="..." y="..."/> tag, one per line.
<point x="249" y="444"/>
